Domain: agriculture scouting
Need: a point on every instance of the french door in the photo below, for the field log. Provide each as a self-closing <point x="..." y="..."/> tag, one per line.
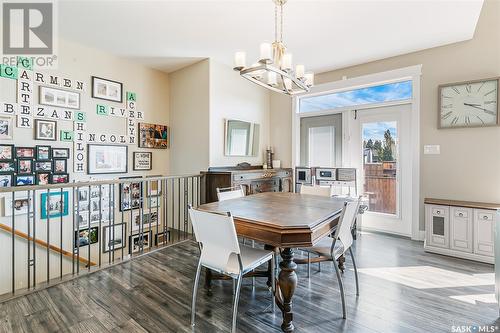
<point x="380" y="149"/>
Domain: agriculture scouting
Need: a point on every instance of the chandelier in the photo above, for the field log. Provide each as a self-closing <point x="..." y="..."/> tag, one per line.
<point x="274" y="70"/>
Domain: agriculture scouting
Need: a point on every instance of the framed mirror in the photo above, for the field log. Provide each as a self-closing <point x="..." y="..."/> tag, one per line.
<point x="242" y="138"/>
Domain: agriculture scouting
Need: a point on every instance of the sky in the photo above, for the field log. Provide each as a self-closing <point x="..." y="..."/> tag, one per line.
<point x="383" y="93"/>
<point x="375" y="131"/>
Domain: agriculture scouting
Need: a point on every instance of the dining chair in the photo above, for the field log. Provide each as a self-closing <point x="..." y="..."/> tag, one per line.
<point x="227" y="193"/>
<point x="222" y="253"/>
<point x="341" y="242"/>
<point x="325" y="191"/>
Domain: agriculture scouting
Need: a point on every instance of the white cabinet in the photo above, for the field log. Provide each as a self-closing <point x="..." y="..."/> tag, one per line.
<point x="484" y="232"/>
<point x="461" y="229"/>
<point x="438" y="226"/>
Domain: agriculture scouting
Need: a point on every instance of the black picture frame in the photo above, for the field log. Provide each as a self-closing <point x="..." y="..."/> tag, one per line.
<point x="10" y="183"/>
<point x="150" y="161"/>
<point x="66" y="150"/>
<point x="12" y="166"/>
<point x="147" y="233"/>
<point x="55" y="160"/>
<point x="89" y="169"/>
<point x="11" y="153"/>
<point x="17" y="177"/>
<point x="120" y="188"/>
<point x="90" y="241"/>
<point x="36" y="169"/>
<point x="93" y="92"/>
<point x="19" y="172"/>
<point x="166" y="237"/>
<point x="32" y="149"/>
<point x="37" y="177"/>
<point x="37" y="153"/>
<point x="105" y="235"/>
<point x="53" y="122"/>
<point x="54" y="176"/>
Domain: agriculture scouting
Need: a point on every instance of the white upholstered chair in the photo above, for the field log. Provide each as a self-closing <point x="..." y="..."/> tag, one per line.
<point x="325" y="191"/>
<point x="341" y="242"/>
<point x="230" y="193"/>
<point x="221" y="252"/>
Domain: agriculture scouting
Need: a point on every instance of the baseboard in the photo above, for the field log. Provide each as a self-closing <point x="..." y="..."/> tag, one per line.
<point x="458" y="254"/>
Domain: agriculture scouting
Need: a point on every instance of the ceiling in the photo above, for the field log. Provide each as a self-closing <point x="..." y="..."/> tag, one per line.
<point x="321" y="34"/>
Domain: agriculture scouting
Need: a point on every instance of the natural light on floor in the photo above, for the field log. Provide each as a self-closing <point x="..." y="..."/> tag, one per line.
<point x="428" y="277"/>
<point x="475" y="299"/>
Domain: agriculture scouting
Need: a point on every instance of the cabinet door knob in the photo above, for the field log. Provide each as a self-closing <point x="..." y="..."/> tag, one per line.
<point x="460" y="214"/>
<point x="485" y="217"/>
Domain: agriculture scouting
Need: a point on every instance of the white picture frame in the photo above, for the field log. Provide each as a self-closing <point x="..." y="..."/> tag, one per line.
<point x="20" y="204"/>
<point x="6" y="128"/>
<point x="106" y="159"/>
<point x="59" y="98"/>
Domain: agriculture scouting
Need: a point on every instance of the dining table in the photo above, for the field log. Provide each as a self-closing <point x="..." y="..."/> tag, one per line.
<point x="284" y="221"/>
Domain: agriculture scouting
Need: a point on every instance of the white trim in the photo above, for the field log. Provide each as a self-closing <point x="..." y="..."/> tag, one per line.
<point x="459" y="254"/>
<point x="411" y="73"/>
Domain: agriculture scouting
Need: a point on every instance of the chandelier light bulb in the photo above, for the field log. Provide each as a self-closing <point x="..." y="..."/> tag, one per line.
<point x="309" y="79"/>
<point x="266" y="52"/>
<point x="286" y="62"/>
<point x="300" y="70"/>
<point x="239" y="60"/>
<point x="272" y="78"/>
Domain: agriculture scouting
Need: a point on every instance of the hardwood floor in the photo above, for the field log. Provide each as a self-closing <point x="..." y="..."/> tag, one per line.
<point x="403" y="289"/>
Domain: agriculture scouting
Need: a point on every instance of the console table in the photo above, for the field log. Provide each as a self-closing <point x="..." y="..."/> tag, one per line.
<point x="461" y="229"/>
<point x="254" y="179"/>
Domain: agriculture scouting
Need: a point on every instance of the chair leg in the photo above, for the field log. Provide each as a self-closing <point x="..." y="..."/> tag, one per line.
<point x="235" y="305"/>
<point x="319" y="263"/>
<point x="195" y="290"/>
<point x="355" y="271"/>
<point x="253" y="278"/>
<point x="341" y="287"/>
<point x="273" y="283"/>
<point x="308" y="265"/>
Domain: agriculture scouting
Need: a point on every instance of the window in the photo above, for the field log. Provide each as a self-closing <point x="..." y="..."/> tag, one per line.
<point x="397" y="91"/>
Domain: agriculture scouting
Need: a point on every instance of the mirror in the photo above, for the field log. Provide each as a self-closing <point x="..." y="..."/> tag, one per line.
<point x="242" y="138"/>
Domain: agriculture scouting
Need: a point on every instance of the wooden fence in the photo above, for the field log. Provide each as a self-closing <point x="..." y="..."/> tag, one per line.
<point x="380" y="186"/>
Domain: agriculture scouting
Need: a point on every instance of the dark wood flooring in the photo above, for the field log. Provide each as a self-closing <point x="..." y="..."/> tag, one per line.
<point x="152" y="294"/>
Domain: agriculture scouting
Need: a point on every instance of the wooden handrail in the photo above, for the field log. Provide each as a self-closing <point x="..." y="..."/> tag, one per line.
<point x="44" y="244"/>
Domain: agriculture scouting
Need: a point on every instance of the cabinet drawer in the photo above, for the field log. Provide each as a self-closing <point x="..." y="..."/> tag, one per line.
<point x="460" y="212"/>
<point x="440" y="211"/>
<point x="481" y="216"/>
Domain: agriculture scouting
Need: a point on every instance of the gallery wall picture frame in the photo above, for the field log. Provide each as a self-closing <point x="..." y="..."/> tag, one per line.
<point x="153" y="187"/>
<point x="140" y="240"/>
<point x="106" y="89"/>
<point x="24" y="166"/>
<point x="25" y="152"/>
<point x="130" y="195"/>
<point x="60" y="165"/>
<point x="8" y="167"/>
<point x="107" y="159"/>
<point x="43" y="178"/>
<point x="84" y="237"/>
<point x="55" y="206"/>
<point x="6" y="153"/>
<point x="114" y="239"/>
<point x="162" y="237"/>
<point x="6" y="128"/>
<point x="142" y="161"/>
<point x="62" y="178"/>
<point x="60" y="153"/>
<point x="20" y="206"/>
<point x="61" y="98"/>
<point x="45" y="130"/>
<point x="24" y="180"/>
<point x="43" y="153"/>
<point x="7" y="179"/>
<point x="43" y="166"/>
<point x="153" y="136"/>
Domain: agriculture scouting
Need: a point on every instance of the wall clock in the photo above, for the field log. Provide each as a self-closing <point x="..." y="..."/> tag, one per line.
<point x="468" y="104"/>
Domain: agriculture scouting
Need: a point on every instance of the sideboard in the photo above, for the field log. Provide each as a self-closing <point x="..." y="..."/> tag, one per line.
<point x="461" y="228"/>
<point x="254" y="179"/>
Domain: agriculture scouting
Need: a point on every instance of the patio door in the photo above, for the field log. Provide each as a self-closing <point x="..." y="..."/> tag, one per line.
<point x="380" y="148"/>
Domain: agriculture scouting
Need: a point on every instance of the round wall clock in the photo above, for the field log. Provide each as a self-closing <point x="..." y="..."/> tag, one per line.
<point x="468" y="104"/>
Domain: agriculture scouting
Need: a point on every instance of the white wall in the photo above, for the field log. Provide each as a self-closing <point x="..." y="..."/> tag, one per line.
<point x="189" y="114"/>
<point x="469" y="164"/>
<point x="232" y="97"/>
<point x="80" y="62"/>
<point x="203" y="96"/>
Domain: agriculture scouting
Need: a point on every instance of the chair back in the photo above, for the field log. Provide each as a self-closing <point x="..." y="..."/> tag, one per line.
<point x="316" y="190"/>
<point x="230" y="193"/>
<point x="346" y="222"/>
<point x="217" y="235"/>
